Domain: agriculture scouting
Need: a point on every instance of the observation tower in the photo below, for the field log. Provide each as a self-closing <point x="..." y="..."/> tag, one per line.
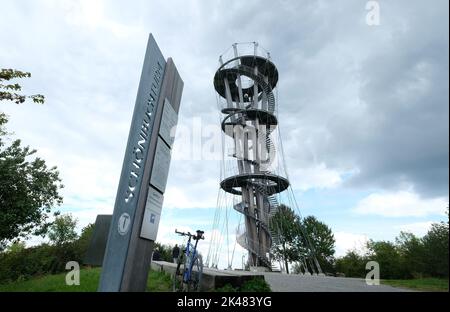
<point x="253" y="173"/>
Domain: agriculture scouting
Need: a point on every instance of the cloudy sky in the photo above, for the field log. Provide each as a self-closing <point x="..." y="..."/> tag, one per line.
<point x="363" y="109"/>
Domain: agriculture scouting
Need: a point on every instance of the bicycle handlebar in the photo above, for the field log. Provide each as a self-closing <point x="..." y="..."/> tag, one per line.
<point x="195" y="237"/>
<point x="182" y="233"/>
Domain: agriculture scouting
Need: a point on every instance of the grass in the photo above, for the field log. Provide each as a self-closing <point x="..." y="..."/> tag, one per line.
<point x="89" y="278"/>
<point x="424" y="284"/>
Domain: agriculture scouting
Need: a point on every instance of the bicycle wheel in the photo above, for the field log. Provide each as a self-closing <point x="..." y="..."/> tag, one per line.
<point x="178" y="284"/>
<point x="195" y="282"/>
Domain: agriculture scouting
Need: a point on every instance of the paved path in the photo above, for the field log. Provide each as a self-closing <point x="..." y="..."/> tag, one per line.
<point x="292" y="282"/>
<point x="305" y="283"/>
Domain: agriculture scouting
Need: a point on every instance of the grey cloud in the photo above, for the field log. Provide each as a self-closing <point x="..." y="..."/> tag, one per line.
<point x="350" y="95"/>
<point x="403" y="136"/>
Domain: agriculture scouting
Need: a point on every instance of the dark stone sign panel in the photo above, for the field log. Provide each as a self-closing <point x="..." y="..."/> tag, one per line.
<point x="97" y="245"/>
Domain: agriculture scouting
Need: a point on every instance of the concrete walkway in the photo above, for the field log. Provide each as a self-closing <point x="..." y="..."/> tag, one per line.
<point x="211" y="278"/>
<point x="278" y="282"/>
<point x="305" y="283"/>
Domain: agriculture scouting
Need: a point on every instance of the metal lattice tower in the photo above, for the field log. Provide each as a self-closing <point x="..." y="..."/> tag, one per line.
<point x="246" y="84"/>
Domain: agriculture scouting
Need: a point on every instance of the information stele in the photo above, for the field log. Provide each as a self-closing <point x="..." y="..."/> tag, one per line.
<point x="140" y="194"/>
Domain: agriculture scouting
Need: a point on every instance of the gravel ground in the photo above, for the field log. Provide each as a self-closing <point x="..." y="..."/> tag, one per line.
<point x="305" y="283"/>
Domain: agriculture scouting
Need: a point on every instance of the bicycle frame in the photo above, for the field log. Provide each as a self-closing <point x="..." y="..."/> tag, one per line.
<point x="190" y="253"/>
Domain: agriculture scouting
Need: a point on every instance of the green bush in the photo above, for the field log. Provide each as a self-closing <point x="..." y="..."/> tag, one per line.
<point x="352" y="264"/>
<point x="227" y="288"/>
<point x="255" y="285"/>
<point x="165" y="251"/>
<point x="24" y="263"/>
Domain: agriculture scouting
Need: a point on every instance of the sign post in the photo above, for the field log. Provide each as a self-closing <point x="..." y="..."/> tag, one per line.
<point x="140" y="194"/>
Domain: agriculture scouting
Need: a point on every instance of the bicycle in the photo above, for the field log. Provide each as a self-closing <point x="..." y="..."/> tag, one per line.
<point x="188" y="275"/>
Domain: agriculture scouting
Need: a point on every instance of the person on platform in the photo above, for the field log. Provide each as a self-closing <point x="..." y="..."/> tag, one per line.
<point x="175" y="253"/>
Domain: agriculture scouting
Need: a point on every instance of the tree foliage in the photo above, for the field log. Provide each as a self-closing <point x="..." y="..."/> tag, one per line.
<point x="322" y="240"/>
<point x="304" y="240"/>
<point x="408" y="257"/>
<point x="165" y="251"/>
<point x="388" y="256"/>
<point x="20" y="262"/>
<point x="8" y="90"/>
<point x="62" y="230"/>
<point x="436" y="249"/>
<point x="28" y="190"/>
<point x="286" y="224"/>
<point x="84" y="240"/>
<point x="352" y="264"/>
<point x="412" y="254"/>
<point x="16" y="247"/>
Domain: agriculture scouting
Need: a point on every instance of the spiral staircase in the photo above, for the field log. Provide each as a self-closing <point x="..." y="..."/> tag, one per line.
<point x="249" y="119"/>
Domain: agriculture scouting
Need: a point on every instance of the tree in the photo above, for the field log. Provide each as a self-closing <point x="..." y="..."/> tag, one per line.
<point x="318" y="237"/>
<point x="86" y="234"/>
<point x="16" y="247"/>
<point x="165" y="251"/>
<point x="62" y="231"/>
<point x="388" y="257"/>
<point x="83" y="242"/>
<point x="286" y="225"/>
<point x="28" y="190"/>
<point x="8" y="91"/>
<point x="409" y="257"/>
<point x="436" y="249"/>
<point x="352" y="264"/>
<point x="412" y="252"/>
